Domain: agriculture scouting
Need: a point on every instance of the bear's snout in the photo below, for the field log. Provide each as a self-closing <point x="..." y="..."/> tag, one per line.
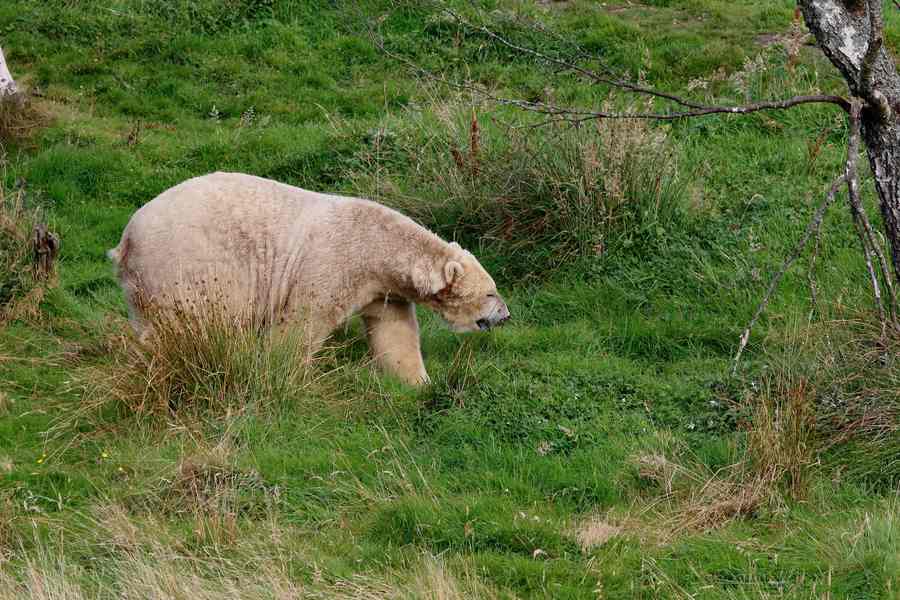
<point x="498" y="315"/>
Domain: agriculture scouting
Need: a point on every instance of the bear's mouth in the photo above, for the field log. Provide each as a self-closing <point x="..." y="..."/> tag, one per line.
<point x="483" y="324"/>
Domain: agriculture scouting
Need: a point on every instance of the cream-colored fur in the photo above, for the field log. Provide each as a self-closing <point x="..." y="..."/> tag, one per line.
<point x="288" y="257"/>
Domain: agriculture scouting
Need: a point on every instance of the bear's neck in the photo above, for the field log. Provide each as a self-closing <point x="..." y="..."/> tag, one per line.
<point x="398" y="246"/>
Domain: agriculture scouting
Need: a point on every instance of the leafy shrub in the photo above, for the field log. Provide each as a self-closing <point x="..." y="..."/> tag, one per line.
<point x="537" y="197"/>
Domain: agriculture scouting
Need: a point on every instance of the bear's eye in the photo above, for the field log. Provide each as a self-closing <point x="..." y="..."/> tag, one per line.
<point x="492" y="295"/>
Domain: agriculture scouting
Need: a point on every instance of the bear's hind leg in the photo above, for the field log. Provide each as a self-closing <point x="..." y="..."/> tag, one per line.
<point x="393" y="333"/>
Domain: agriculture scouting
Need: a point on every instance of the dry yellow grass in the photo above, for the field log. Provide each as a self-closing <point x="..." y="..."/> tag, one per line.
<point x="20" y="118"/>
<point x="20" y="291"/>
<point x="142" y="561"/>
<point x="694" y="498"/>
<point x="595" y="531"/>
<point x="198" y="359"/>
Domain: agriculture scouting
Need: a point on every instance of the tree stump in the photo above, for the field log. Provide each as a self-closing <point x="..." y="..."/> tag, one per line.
<point x="45" y="246"/>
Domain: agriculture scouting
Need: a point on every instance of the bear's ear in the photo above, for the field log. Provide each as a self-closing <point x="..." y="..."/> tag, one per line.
<point x="452" y="271"/>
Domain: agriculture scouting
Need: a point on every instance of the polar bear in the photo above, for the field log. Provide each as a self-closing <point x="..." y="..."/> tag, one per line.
<point x="287" y="257"/>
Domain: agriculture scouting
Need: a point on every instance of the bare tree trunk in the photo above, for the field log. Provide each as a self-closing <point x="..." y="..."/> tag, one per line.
<point x="850" y="33"/>
<point x="7" y="83"/>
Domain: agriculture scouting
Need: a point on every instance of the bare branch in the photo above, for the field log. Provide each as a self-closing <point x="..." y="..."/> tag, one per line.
<point x="814" y="223"/>
<point x="567" y="65"/>
<point x="571" y="115"/>
<point x="864" y="228"/>
<point x="575" y="116"/>
<point x="811" y="273"/>
<point x="856" y="208"/>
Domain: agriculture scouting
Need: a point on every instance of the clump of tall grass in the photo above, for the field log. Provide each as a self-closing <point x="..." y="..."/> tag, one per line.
<point x="540" y="197"/>
<point x="199" y="358"/>
<point x="839" y="410"/>
<point x="20" y="288"/>
<point x="778" y="454"/>
<point x="19" y="118"/>
<point x="856" y="379"/>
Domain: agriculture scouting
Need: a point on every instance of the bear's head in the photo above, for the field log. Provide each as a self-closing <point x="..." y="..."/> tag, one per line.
<point x="463" y="293"/>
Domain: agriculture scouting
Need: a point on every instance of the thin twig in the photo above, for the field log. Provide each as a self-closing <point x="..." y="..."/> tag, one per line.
<point x="813" y="225"/>
<point x="813" y="288"/>
<point x="576" y="116"/>
<point x="570" y="115"/>
<point x="589" y="73"/>
<point x="699" y="109"/>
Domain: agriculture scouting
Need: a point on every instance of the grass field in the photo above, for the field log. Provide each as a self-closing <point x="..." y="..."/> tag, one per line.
<point x="596" y="447"/>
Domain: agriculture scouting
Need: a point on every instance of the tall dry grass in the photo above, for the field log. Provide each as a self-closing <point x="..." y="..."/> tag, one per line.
<point x="855" y="382"/>
<point x="197" y="360"/>
<point x="142" y="559"/>
<point x="20" y="290"/>
<point x="775" y="467"/>
<point x="19" y="118"/>
<point x="541" y="196"/>
<point x="830" y="401"/>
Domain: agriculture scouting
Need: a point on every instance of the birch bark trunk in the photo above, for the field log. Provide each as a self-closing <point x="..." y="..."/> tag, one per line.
<point x="850" y="34"/>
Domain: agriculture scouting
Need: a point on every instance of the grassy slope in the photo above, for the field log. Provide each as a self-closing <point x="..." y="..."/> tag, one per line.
<point x="628" y="355"/>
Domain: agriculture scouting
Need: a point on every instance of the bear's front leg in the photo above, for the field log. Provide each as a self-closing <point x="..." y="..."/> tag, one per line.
<point x="393" y="333"/>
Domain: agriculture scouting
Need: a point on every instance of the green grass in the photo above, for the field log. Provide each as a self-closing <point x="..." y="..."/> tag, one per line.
<point x="480" y="484"/>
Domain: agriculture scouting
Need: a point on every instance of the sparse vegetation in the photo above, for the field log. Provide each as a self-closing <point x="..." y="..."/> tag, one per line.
<point x="597" y="447"/>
